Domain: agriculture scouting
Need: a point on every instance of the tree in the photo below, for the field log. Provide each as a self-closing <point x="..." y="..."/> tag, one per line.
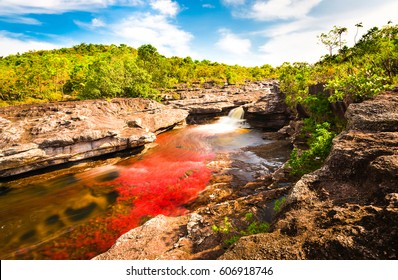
<point x="148" y="54"/>
<point x="333" y="38"/>
<point x="330" y="40"/>
<point x="122" y="77"/>
<point x="340" y="31"/>
<point x="358" y="25"/>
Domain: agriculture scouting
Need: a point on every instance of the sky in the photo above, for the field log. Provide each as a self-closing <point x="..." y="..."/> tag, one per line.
<point x="244" y="32"/>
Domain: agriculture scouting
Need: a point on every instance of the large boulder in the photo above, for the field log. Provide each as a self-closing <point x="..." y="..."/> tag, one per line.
<point x="269" y="112"/>
<point x="153" y="240"/>
<point x="349" y="208"/>
<point x="40" y="135"/>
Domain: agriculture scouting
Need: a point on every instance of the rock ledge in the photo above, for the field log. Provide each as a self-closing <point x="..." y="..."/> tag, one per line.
<point x="40" y="135"/>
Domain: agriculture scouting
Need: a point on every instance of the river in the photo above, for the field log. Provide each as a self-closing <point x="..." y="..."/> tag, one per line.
<point x="80" y="212"/>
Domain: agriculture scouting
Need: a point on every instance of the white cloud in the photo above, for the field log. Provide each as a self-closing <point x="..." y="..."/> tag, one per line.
<point x="95" y="23"/>
<point x="208" y="6"/>
<point x="12" y="43"/>
<point x="232" y="43"/>
<point x="297" y="40"/>
<point x="20" y="7"/>
<point x="139" y="29"/>
<point x="21" y="20"/>
<point x="165" y="7"/>
<point x="293" y="47"/>
<point x="280" y="9"/>
<point x="233" y="2"/>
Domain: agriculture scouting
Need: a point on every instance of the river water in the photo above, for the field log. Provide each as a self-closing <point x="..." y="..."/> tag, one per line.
<point x="80" y="214"/>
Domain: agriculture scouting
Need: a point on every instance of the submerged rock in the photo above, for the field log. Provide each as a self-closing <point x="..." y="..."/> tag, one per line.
<point x="348" y="208"/>
<point x="35" y="136"/>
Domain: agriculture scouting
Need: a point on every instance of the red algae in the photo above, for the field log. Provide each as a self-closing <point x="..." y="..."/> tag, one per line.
<point x="160" y="182"/>
<point x="82" y="215"/>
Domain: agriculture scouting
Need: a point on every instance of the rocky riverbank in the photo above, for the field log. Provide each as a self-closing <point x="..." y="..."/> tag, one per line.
<point x="226" y="207"/>
<point x="349" y="208"/>
<point x="346" y="210"/>
<point x="42" y="135"/>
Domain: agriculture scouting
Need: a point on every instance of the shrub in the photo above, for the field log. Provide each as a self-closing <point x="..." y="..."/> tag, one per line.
<point x="359" y="86"/>
<point x="320" y="144"/>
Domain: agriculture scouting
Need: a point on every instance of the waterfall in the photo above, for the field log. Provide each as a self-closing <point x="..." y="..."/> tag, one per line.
<point x="227" y="124"/>
<point x="234" y="119"/>
<point x="237" y="113"/>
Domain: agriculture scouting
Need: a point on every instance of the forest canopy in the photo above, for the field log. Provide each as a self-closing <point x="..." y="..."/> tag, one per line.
<point x="89" y="71"/>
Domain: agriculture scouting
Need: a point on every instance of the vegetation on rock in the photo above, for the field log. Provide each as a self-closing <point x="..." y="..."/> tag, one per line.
<point x="321" y="92"/>
<point x="232" y="233"/>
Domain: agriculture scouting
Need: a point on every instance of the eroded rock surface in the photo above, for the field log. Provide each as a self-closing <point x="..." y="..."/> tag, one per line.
<point x="348" y="209"/>
<point x="42" y="135"/>
<point x="262" y="101"/>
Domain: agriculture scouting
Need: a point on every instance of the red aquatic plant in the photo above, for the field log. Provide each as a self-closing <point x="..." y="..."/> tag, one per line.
<point x="161" y="182"/>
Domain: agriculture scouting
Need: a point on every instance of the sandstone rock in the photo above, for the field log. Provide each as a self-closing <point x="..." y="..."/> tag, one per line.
<point x="374" y="115"/>
<point x="348" y="208"/>
<point x="159" y="234"/>
<point x="263" y="102"/>
<point x="270" y="112"/>
<point x="42" y="135"/>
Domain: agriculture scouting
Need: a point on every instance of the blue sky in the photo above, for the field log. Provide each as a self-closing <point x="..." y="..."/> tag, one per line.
<point x="245" y="32"/>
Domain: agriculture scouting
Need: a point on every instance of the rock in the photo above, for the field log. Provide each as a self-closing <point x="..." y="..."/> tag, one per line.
<point x="40" y="135"/>
<point x="270" y="112"/>
<point x="347" y="209"/>
<point x="194" y="222"/>
<point x="135" y="123"/>
<point x="263" y="102"/>
<point x="159" y="234"/>
<point x="373" y="116"/>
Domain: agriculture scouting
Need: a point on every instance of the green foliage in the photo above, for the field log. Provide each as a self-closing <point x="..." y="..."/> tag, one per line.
<point x="294" y="81"/>
<point x="320" y="144"/>
<point x="108" y="78"/>
<point x="225" y="228"/>
<point x="318" y="107"/>
<point x="353" y="75"/>
<point x="278" y="204"/>
<point x="358" y="86"/>
<point x="108" y="71"/>
<point x="231" y="241"/>
<point x="255" y="228"/>
<point x="232" y="233"/>
<point x="249" y="216"/>
<point x="232" y="78"/>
